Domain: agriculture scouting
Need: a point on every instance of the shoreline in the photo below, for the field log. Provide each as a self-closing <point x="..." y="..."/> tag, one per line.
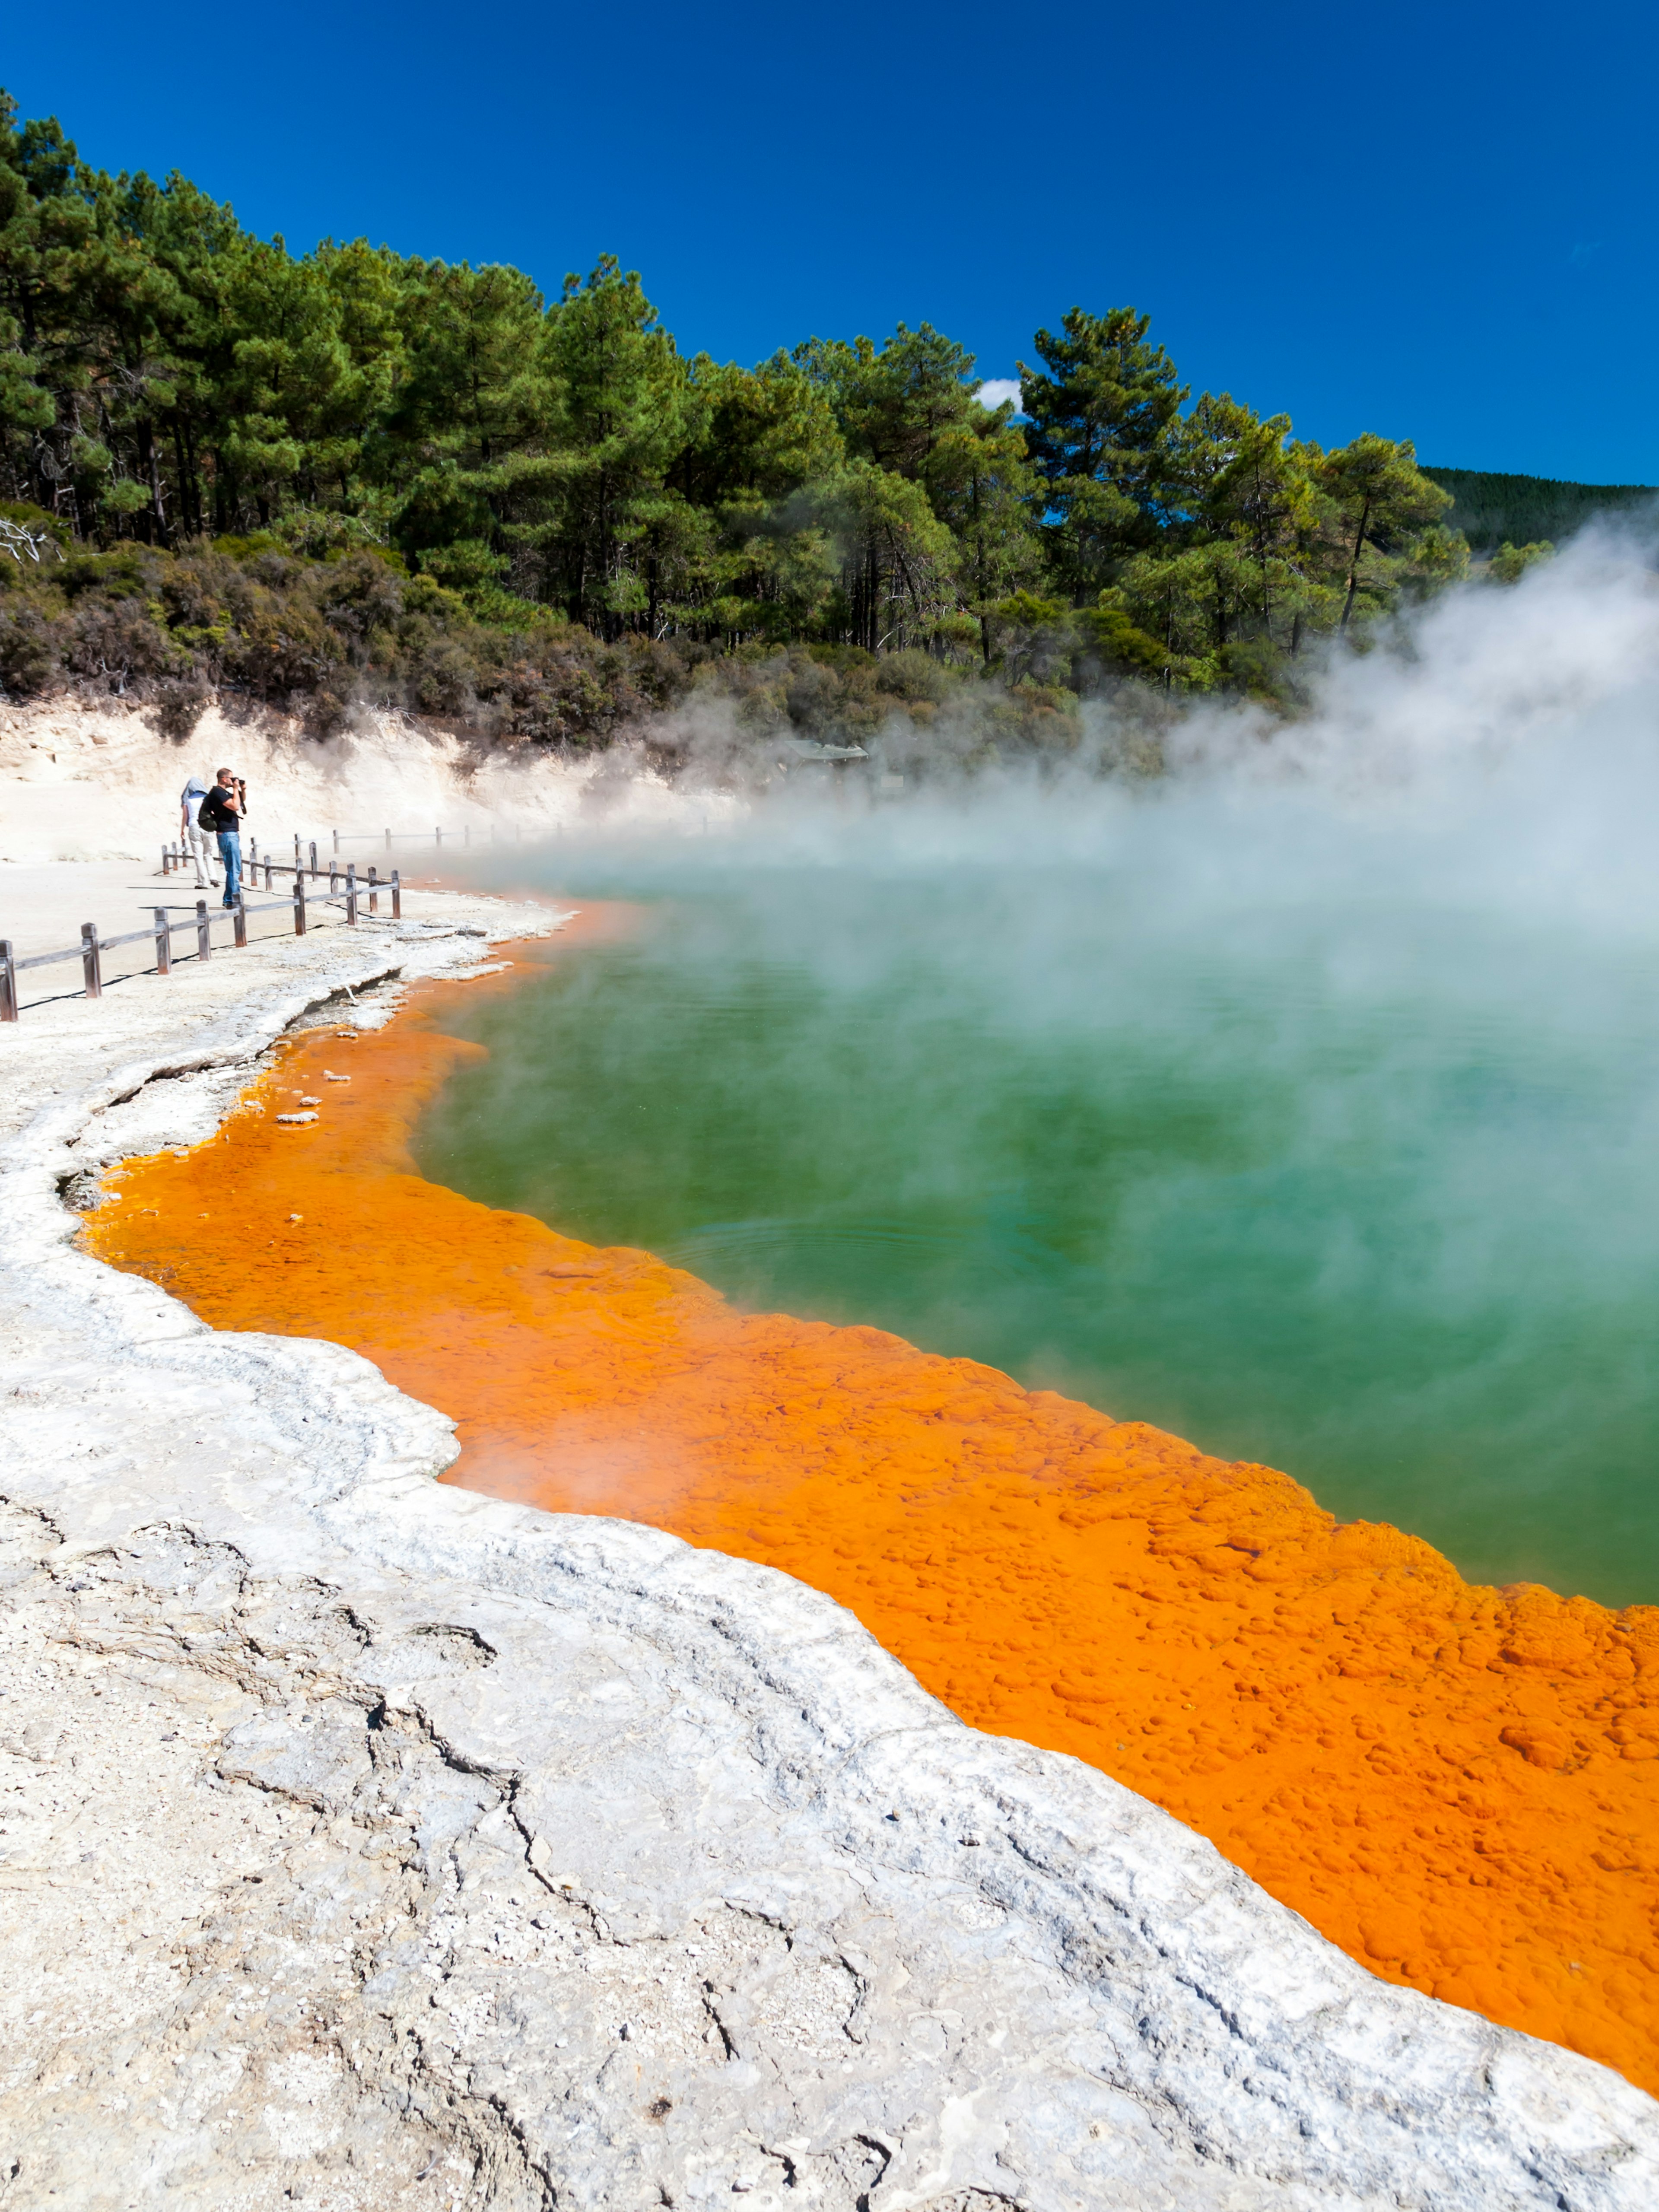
<point x="1452" y="1783"/>
<point x="492" y="1781"/>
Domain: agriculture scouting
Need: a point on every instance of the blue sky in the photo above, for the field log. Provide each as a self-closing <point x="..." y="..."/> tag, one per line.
<point x="1433" y="221"/>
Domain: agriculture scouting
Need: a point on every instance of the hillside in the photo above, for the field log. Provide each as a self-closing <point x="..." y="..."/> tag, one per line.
<point x="1491" y="508"/>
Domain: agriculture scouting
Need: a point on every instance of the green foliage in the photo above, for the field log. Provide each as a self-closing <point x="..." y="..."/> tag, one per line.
<point x="1123" y="645"/>
<point x="1511" y="562"/>
<point x="354" y="474"/>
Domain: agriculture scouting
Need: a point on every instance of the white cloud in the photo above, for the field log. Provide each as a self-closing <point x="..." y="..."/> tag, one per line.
<point x="998" y="388"/>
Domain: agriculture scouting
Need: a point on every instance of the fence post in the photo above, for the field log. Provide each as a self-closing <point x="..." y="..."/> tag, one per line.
<point x="333" y="877"/>
<point x="163" y="941"/>
<point x="239" y="917"/>
<point x="297" y="851"/>
<point x="204" y="931"/>
<point x="269" y="884"/>
<point x="7" y="983"/>
<point x="298" y="904"/>
<point x="166" y="860"/>
<point x="441" y="840"/>
<point x="388" y="840"/>
<point x="351" y="890"/>
<point x="337" y="840"/>
<point x="253" y="850"/>
<point x="313" y="860"/>
<point x="396" y="896"/>
<point x="90" y="961"/>
<point x="373" y="888"/>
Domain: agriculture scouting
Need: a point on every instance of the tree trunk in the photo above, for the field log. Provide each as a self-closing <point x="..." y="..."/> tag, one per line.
<point x="186" y="505"/>
<point x="981" y="578"/>
<point x="1354" y="565"/>
<point x="195" y="463"/>
<point x="156" y="530"/>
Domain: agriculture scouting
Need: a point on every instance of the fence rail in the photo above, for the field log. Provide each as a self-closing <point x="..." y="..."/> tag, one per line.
<point x="179" y="855"/>
<point x="176" y="857"/>
<point x="91" y="949"/>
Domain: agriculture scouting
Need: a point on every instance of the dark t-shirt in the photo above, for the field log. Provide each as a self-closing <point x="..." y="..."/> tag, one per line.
<point x="219" y="816"/>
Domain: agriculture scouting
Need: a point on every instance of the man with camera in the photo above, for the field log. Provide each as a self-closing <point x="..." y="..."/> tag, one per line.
<point x="222" y="812"/>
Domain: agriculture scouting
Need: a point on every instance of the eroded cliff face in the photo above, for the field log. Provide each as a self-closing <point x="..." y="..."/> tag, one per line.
<point x="101" y="782"/>
<point x="1457" y="1784"/>
<point x="367" y="1836"/>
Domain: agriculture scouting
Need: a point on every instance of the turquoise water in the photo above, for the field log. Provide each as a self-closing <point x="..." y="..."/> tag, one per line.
<point x="1368" y="1191"/>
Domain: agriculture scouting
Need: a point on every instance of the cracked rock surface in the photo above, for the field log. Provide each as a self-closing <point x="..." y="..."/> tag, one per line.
<point x="365" y="1843"/>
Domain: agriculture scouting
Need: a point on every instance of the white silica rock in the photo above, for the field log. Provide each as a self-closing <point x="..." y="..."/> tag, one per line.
<point x="368" y="1843"/>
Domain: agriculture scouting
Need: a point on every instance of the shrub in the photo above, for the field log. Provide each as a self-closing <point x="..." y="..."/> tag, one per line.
<point x="283" y="650"/>
<point x="121" y="646"/>
<point x="28" y="653"/>
<point x="178" y="708"/>
<point x="313" y="634"/>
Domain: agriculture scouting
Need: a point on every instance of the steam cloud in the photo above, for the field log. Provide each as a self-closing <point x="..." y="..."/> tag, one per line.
<point x="1403" y="955"/>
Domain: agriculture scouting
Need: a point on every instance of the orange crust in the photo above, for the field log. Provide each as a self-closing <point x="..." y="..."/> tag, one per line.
<point x="1456" y="1785"/>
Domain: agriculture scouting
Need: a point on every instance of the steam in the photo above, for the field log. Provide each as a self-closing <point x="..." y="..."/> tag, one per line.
<point x="1315" y="1083"/>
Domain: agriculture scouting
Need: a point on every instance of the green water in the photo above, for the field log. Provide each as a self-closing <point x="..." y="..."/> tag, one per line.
<point x="1374" y="1199"/>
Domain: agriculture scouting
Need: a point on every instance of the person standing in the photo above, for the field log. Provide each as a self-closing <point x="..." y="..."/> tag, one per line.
<point x="196" y="841"/>
<point x="222" y="810"/>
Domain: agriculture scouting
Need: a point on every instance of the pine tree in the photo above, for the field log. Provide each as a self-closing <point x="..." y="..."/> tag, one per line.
<point x="1102" y="409"/>
<point x="622" y="419"/>
<point x="1381" y="499"/>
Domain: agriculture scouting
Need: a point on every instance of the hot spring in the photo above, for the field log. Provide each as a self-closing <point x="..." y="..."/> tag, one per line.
<point x="1300" y="1103"/>
<point x="1303" y="1102"/>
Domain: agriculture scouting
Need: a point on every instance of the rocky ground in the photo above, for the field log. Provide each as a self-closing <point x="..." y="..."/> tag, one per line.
<point x="368" y="1843"/>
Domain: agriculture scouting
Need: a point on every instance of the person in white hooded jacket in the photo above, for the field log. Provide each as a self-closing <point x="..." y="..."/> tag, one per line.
<point x="201" y="844"/>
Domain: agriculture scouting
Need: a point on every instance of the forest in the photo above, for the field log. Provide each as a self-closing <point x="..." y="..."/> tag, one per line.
<point x="1492" y="510"/>
<point x="351" y="476"/>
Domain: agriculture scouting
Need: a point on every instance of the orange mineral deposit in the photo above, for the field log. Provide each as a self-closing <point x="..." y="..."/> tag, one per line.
<point x="1460" y="1786"/>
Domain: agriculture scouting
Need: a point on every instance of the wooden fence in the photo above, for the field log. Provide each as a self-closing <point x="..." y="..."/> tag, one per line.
<point x="351" y="894"/>
<point x="178" y="856"/>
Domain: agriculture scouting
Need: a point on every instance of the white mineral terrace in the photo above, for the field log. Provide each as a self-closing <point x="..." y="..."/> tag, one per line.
<point x="366" y="1842"/>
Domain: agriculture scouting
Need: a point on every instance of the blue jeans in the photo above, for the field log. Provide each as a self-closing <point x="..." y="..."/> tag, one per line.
<point x="230" y="853"/>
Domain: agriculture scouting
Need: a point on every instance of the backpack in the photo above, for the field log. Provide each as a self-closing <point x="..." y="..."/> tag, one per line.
<point x="205" y="818"/>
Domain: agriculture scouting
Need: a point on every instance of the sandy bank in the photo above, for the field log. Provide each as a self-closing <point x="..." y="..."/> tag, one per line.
<point x="359" y="1828"/>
